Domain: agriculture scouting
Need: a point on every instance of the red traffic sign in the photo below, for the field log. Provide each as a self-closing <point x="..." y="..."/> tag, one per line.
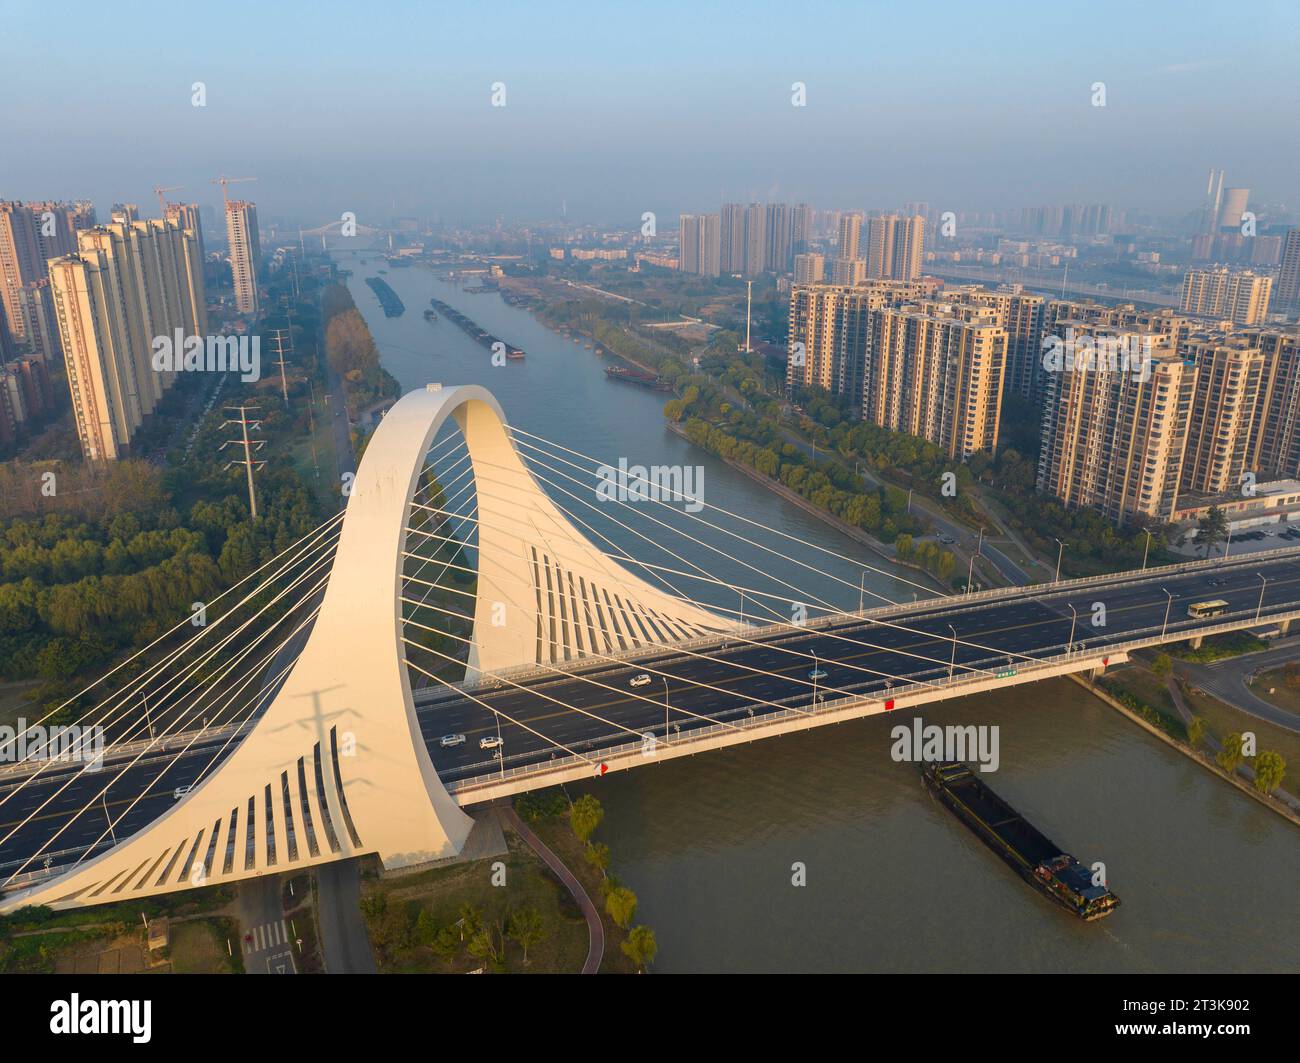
<point x="601" y="768"/>
<point x="889" y="704"/>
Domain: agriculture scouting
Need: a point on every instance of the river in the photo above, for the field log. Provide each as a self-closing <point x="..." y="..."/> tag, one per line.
<point x="893" y="882"/>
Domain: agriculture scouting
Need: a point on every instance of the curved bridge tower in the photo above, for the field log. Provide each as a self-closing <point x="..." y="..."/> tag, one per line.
<point x="336" y="766"/>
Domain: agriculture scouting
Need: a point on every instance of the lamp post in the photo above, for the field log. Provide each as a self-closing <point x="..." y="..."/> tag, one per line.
<point x="1074" y="619"/>
<point x="666" y="732"/>
<point x="148" y="718"/>
<point x="1260" y="606"/>
<point x="501" y="747"/>
<point x="816" y="670"/>
<point x="1168" y="605"/>
<point x="1228" y="545"/>
<point x="970" y="572"/>
<point x="1146" y="550"/>
<point x="952" y="663"/>
<point x="742" y="608"/>
<point x="1059" y="554"/>
<point x="862" y="589"/>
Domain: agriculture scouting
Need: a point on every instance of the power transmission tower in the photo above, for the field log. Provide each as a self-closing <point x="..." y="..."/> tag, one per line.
<point x="249" y="445"/>
<point x="279" y="350"/>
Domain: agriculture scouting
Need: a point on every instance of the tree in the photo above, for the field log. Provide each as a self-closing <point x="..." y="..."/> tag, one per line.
<point x="1230" y="755"/>
<point x="598" y="856"/>
<point x="525" y="928"/>
<point x="584" y="816"/>
<point x="640" y="947"/>
<point x="1212" y="528"/>
<point x="620" y="903"/>
<point x="1162" y="665"/>
<point x="1270" y="770"/>
<point x="471" y="921"/>
<point x="1195" y="731"/>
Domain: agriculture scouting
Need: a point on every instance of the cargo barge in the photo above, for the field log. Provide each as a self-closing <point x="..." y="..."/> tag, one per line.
<point x="638" y="376"/>
<point x="388" y="299"/>
<point x="479" y="335"/>
<point x="1053" y="873"/>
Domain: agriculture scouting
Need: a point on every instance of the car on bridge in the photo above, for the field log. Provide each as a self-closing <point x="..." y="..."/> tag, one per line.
<point x="491" y="742"/>
<point x="451" y="740"/>
<point x="639" y="680"/>
<point x="180" y="792"/>
<point x="817" y="673"/>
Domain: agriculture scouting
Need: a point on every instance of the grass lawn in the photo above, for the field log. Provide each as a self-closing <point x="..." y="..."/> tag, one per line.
<point x="1222" y="720"/>
<point x="1148" y="689"/>
<point x="14" y="703"/>
<point x="559" y="837"/>
<point x="1283" y="696"/>
<point x="392" y="907"/>
<point x="199" y="947"/>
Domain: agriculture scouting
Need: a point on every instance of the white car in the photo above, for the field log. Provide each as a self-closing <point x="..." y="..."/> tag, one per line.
<point x="451" y="740"/>
<point x="817" y="673"/>
<point x="180" y="792"/>
<point x="639" y="680"/>
<point x="491" y="742"/>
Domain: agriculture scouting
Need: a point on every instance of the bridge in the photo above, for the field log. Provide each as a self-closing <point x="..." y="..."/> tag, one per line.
<point x="480" y="622"/>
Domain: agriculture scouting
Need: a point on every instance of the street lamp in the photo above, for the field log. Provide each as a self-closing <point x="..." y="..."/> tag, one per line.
<point x="501" y="748"/>
<point x="665" y="679"/>
<point x="1260" y="606"/>
<point x="970" y="572"/>
<point x="148" y="718"/>
<point x="1228" y="545"/>
<point x="1074" y="619"/>
<point x="862" y="589"/>
<point x="742" y="608"/>
<point x="952" y="663"/>
<point x="1059" y="554"/>
<point x="1146" y="550"/>
<point x="1168" y="605"/>
<point x="815" y="673"/>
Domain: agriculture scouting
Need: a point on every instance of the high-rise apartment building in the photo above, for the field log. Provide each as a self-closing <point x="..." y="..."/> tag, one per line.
<point x="809" y="268"/>
<point x="779" y="236"/>
<point x="1223" y="416"/>
<point x="245" y="254"/>
<point x="829" y="329"/>
<point x="850" y="241"/>
<point x="801" y="229"/>
<point x="699" y="244"/>
<point x="935" y="370"/>
<point x="127" y="284"/>
<point x="848" y="271"/>
<point x="755" y="239"/>
<point x="1113" y="437"/>
<point x="894" y="245"/>
<point x="186" y="216"/>
<point x="1275" y="438"/>
<point x="1288" y="281"/>
<point x="1022" y="314"/>
<point x="1239" y="296"/>
<point x="732" y="239"/>
<point x="20" y="261"/>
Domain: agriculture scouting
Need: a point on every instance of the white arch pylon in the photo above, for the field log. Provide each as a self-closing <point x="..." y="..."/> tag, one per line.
<point x="336" y="766"/>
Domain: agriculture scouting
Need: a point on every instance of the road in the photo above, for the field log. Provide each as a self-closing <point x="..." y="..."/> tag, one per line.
<point x="1226" y="680"/>
<point x="265" y="935"/>
<point x="344" y="945"/>
<point x="549" y="714"/>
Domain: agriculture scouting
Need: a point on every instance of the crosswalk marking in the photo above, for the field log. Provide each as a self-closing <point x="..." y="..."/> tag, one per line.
<point x="268" y="936"/>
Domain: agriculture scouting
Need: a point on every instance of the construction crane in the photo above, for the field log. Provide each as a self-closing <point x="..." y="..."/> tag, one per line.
<point x="223" y="181"/>
<point x="162" y="203"/>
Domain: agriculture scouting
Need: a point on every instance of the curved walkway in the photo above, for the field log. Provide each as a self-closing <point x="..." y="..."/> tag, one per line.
<point x="595" y="928"/>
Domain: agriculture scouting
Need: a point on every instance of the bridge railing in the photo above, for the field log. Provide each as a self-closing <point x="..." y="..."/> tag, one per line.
<point x="1086" y="656"/>
<point x="562" y="669"/>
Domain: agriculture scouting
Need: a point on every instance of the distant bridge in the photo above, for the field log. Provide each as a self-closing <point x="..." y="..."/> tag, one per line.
<point x="286" y="733"/>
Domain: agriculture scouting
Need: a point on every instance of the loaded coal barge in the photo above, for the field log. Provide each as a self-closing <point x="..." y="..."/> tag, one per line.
<point x="388" y="299"/>
<point x="481" y="335"/>
<point x="1041" y="863"/>
<point x="638" y="376"/>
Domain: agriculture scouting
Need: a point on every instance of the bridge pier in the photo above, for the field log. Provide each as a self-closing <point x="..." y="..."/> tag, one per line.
<point x="1196" y="641"/>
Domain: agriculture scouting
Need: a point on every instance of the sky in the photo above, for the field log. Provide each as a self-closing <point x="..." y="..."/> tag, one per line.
<point x="613" y="109"/>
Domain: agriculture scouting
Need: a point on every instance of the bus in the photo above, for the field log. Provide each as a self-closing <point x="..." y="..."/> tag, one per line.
<point x="1205" y="610"/>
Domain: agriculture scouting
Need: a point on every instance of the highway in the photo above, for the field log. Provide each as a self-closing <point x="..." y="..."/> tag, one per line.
<point x="546" y="714"/>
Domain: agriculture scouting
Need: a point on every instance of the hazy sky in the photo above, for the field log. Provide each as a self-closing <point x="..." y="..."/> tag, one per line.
<point x="383" y="108"/>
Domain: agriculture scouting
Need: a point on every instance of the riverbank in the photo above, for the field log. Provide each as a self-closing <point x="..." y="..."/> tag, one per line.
<point x="1285" y="805"/>
<point x="843" y="527"/>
